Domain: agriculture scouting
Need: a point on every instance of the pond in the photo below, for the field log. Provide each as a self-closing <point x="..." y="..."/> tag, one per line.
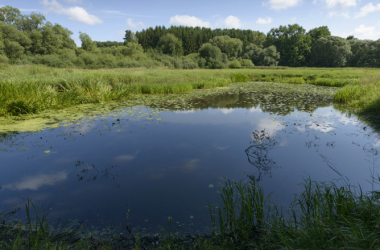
<point x="137" y="166"/>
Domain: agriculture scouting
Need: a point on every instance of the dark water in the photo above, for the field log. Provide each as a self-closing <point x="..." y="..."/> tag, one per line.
<point x="138" y="166"/>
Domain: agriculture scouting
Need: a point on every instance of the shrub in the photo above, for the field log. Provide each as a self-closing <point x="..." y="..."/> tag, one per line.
<point x="246" y="63"/>
<point x="234" y="64"/>
<point x="4" y="59"/>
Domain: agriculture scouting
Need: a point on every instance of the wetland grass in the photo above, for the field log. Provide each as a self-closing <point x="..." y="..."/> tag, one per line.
<point x="323" y="216"/>
<point x="26" y="89"/>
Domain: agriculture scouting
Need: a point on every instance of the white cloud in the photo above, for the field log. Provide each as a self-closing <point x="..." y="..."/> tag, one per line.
<point x="77" y="14"/>
<point x="191" y="21"/>
<point x="267" y="20"/>
<point x="270" y="126"/>
<point x="229" y="22"/>
<point x="364" y="32"/>
<point x="365" y="10"/>
<point x="134" y="25"/>
<point x="282" y="4"/>
<point x="73" y="1"/>
<point x="226" y="111"/>
<point x="340" y="4"/>
<point x="37" y="181"/>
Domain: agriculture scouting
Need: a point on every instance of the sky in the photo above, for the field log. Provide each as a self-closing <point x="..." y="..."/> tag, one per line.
<point x="108" y="20"/>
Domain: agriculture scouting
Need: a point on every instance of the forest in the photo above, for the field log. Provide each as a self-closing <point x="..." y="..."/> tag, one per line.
<point x="31" y="39"/>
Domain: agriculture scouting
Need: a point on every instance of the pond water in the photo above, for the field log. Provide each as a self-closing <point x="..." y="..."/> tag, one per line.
<point x="140" y="165"/>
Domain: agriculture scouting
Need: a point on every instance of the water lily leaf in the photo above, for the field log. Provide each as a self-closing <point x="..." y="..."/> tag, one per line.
<point x="47" y="151"/>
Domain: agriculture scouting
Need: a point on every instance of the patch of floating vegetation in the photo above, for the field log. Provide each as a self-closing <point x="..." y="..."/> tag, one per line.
<point x="159" y="102"/>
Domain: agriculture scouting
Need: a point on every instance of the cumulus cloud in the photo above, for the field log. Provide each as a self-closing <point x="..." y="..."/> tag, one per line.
<point x="340" y="4"/>
<point x="192" y="21"/>
<point x="338" y="7"/>
<point x="37" y="181"/>
<point x="134" y="25"/>
<point x="77" y="14"/>
<point x="366" y="32"/>
<point x="368" y="8"/>
<point x="267" y="20"/>
<point x="186" y="20"/>
<point x="282" y="4"/>
<point x="229" y="22"/>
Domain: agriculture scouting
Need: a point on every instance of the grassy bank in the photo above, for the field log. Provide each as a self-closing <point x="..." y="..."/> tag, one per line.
<point x="323" y="216"/>
<point x="31" y="89"/>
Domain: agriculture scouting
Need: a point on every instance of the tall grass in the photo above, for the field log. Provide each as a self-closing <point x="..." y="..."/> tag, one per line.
<point x="26" y="89"/>
<point x="323" y="216"/>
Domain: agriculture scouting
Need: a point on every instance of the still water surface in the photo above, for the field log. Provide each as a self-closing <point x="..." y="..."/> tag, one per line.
<point x="137" y="166"/>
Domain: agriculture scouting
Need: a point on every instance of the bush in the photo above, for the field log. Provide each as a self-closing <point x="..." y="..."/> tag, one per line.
<point x="215" y="64"/>
<point x="88" y="58"/>
<point x="189" y="64"/>
<point x="202" y="63"/>
<point x="4" y="59"/>
<point x="234" y="64"/>
<point x="246" y="63"/>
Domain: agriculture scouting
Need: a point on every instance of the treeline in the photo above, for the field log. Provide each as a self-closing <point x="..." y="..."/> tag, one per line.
<point x="26" y="39"/>
<point x="296" y="46"/>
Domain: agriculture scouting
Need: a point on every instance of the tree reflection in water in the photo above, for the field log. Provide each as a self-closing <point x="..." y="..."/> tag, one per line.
<point x="91" y="173"/>
<point x="258" y="154"/>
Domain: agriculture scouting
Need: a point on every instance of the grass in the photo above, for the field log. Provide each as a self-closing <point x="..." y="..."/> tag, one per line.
<point x="30" y="89"/>
<point x="323" y="216"/>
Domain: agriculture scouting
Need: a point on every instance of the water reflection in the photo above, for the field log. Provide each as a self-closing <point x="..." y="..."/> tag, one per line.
<point x="280" y="103"/>
<point x="35" y="182"/>
<point x="164" y="165"/>
<point x="90" y="173"/>
<point x="258" y="154"/>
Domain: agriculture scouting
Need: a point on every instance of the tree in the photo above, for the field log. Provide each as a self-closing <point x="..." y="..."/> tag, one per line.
<point x="212" y="56"/>
<point x="293" y="44"/>
<point x="130" y="37"/>
<point x="87" y="43"/>
<point x="10" y="15"/>
<point x="132" y="49"/>
<point x="13" y="49"/>
<point x="330" y="51"/>
<point x="232" y="47"/>
<point x="365" y="53"/>
<point x="317" y="33"/>
<point x="11" y="34"/>
<point x="261" y="56"/>
<point x="170" y="44"/>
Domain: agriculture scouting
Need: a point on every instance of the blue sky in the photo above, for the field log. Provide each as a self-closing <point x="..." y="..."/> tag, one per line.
<point x="107" y="20"/>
